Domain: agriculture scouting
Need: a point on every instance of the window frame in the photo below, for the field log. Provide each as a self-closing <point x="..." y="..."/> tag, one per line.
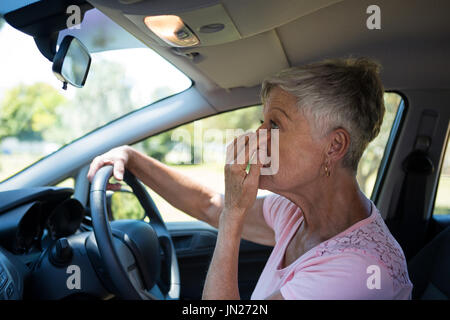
<point x="391" y="145"/>
<point x="438" y="173"/>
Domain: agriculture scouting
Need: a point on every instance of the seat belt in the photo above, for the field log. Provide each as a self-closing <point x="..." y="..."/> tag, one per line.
<point x="411" y="207"/>
<point x="410" y="222"/>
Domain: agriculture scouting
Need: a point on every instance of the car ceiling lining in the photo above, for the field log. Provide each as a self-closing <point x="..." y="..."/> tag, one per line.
<point x="278" y="34"/>
<point x="266" y="36"/>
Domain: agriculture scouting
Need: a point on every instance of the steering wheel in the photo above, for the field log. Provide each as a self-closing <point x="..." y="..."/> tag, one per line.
<point x="131" y="249"/>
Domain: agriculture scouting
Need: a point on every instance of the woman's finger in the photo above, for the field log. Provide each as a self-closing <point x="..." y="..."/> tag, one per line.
<point x="119" y="170"/>
<point x="252" y="178"/>
<point x="96" y="165"/>
<point x="114" y="186"/>
<point x="249" y="154"/>
<point x="247" y="149"/>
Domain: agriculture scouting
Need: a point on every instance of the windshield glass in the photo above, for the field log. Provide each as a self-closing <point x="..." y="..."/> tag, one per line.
<point x="37" y="116"/>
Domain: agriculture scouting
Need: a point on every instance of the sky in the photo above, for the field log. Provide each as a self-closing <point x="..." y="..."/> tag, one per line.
<point x="7" y="6"/>
<point x="21" y="61"/>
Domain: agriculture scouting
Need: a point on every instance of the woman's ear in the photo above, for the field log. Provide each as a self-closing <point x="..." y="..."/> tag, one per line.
<point x="339" y="144"/>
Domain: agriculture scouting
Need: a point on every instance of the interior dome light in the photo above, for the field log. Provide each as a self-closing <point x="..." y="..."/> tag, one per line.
<point x="172" y="30"/>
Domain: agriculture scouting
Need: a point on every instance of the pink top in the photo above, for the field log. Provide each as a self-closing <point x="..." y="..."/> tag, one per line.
<point x="362" y="262"/>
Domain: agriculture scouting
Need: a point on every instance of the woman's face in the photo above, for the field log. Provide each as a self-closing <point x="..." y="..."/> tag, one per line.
<point x="301" y="151"/>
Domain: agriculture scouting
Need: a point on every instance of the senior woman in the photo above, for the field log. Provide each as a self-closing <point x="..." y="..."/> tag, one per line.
<point x="329" y="240"/>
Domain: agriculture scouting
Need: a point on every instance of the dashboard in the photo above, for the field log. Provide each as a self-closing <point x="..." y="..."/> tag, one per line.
<point x="31" y="220"/>
<point x="30" y="217"/>
<point x="45" y="237"/>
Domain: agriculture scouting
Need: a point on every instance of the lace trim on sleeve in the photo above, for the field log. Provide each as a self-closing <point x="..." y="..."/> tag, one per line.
<point x="375" y="240"/>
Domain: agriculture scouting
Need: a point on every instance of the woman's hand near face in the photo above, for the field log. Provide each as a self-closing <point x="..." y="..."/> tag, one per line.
<point x="241" y="187"/>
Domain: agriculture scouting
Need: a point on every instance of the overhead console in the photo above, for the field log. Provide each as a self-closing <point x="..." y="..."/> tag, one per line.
<point x="235" y="37"/>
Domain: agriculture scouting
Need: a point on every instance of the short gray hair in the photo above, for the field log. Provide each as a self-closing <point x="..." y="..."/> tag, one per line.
<point x="338" y="93"/>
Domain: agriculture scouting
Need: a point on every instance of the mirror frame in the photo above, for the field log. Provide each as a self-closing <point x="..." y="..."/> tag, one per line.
<point x="60" y="55"/>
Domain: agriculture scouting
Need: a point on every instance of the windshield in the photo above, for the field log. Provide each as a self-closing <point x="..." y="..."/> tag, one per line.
<point x="37" y="116"/>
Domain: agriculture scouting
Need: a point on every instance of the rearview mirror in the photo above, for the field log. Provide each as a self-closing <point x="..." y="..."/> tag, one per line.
<point x="72" y="61"/>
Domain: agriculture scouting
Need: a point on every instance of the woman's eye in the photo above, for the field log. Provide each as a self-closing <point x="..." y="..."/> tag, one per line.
<point x="273" y="125"/>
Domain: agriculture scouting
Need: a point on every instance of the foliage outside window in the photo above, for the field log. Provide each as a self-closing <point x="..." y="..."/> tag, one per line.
<point x="125" y="205"/>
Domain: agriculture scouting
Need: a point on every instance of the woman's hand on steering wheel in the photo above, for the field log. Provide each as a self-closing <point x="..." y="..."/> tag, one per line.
<point x="118" y="158"/>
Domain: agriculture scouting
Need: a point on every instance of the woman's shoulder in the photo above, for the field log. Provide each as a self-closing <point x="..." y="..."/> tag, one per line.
<point x="373" y="240"/>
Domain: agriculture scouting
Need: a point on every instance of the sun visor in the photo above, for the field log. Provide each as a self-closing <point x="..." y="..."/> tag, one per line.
<point x="99" y="33"/>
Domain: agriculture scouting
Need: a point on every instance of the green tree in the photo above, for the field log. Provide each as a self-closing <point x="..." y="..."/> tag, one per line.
<point x="105" y="96"/>
<point x="27" y="111"/>
<point x="125" y="205"/>
<point x="158" y="146"/>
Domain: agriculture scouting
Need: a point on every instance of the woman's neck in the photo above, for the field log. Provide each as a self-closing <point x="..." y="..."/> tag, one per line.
<point x="330" y="205"/>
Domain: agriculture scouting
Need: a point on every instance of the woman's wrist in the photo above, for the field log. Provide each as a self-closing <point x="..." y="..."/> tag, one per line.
<point x="131" y="157"/>
<point x="232" y="219"/>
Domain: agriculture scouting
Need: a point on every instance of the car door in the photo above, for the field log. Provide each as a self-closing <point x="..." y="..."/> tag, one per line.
<point x="194" y="243"/>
